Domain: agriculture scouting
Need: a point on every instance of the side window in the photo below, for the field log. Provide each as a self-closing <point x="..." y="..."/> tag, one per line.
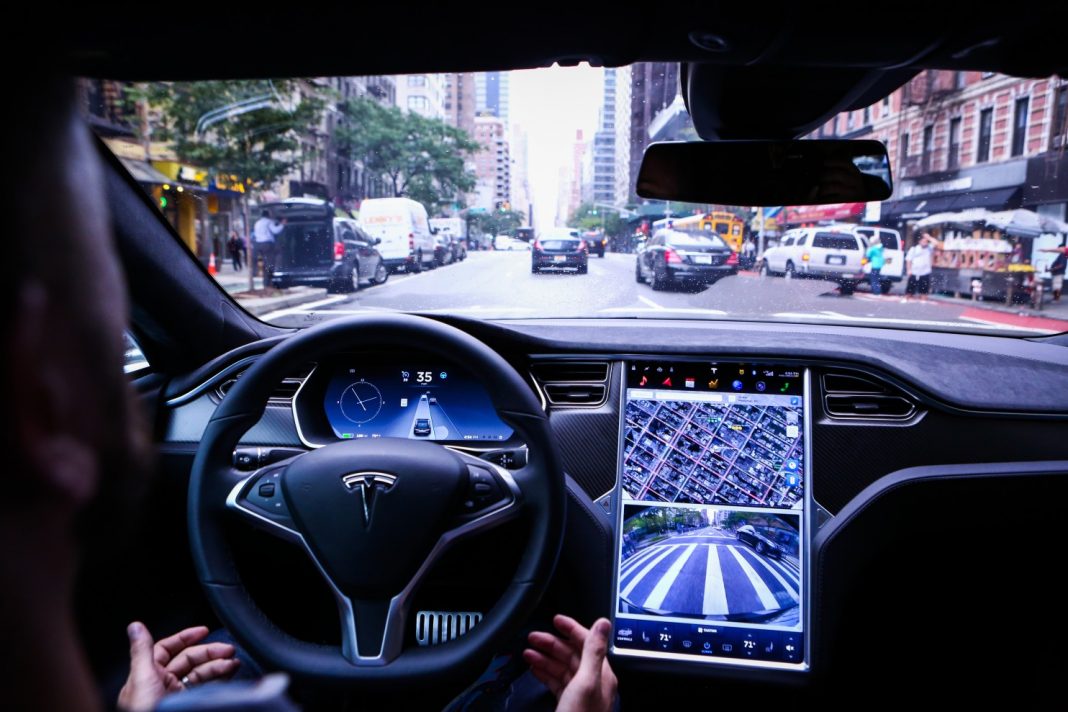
<point x="135" y="360"/>
<point x="347" y="234"/>
<point x="803" y="240"/>
<point x="889" y="240"/>
<point x="787" y="242"/>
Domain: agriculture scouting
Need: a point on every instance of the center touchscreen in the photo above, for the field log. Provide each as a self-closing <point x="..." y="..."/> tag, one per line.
<point x="712" y="529"/>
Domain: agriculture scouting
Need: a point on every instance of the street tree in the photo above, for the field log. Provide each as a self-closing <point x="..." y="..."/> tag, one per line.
<point x="497" y="222"/>
<point x="253" y="136"/>
<point x="421" y="158"/>
<point x="591" y="217"/>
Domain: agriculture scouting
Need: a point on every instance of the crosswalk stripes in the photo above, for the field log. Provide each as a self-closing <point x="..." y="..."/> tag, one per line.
<point x="649" y="567"/>
<point x="694" y="577"/>
<point x="767" y="598"/>
<point x="714" y="602"/>
<point x="660" y="591"/>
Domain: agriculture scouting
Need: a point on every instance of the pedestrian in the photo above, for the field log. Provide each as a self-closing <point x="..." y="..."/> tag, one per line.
<point x="263" y="247"/>
<point x="874" y="264"/>
<point x="233" y="247"/>
<point x="1057" y="269"/>
<point x="919" y="262"/>
<point x="749" y="253"/>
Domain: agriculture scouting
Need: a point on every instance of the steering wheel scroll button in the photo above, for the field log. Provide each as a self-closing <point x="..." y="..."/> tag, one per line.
<point x="483" y="490"/>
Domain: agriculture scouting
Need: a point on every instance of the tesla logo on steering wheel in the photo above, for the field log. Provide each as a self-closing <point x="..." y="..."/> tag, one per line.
<point x="369" y="484"/>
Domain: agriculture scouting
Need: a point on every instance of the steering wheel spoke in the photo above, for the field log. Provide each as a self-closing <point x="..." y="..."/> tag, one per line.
<point x="258" y="500"/>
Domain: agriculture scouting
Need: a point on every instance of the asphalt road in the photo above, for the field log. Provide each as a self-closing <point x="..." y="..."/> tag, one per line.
<point x="501" y="285"/>
<point x="708" y="573"/>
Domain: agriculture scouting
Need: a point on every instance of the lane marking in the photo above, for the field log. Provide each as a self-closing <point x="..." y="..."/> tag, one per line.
<point x="875" y="321"/>
<point x="660" y="591"/>
<point x="778" y="577"/>
<point x="787" y="571"/>
<point x="631" y="563"/>
<point x="767" y="598"/>
<point x="715" y="601"/>
<point x="648" y="302"/>
<point x="641" y="574"/>
<point x="303" y="307"/>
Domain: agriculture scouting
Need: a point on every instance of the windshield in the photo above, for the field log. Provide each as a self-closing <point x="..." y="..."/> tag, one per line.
<point x="466" y="182"/>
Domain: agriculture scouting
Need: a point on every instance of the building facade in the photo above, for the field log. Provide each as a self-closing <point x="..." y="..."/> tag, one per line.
<point x="423" y="94"/>
<point x="653" y="87"/>
<point x="603" y="189"/>
<point x="960" y="140"/>
<point x="493" y="163"/>
<point x="460" y="101"/>
<point x="622" y="183"/>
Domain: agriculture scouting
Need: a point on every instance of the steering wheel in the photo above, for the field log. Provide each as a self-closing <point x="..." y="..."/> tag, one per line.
<point x="375" y="514"/>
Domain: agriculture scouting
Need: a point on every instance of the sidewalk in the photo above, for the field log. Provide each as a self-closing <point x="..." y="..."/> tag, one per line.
<point x="1050" y="309"/>
<point x="258" y="302"/>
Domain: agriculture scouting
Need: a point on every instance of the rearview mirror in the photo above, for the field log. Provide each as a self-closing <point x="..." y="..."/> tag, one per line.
<point x="766" y="172"/>
<point x="377" y="241"/>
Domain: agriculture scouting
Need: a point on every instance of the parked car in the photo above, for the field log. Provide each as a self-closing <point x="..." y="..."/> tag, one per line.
<point x="402" y="226"/>
<point x="443" y="250"/>
<point x="748" y="534"/>
<point x="674" y="256"/>
<point x="596" y="243"/>
<point x="320" y="250"/>
<point x="559" y="248"/>
<point x="504" y="242"/>
<point x="822" y="252"/>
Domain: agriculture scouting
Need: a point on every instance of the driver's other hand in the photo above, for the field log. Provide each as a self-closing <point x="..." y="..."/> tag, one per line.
<point x="170" y="665"/>
<point x="575" y="666"/>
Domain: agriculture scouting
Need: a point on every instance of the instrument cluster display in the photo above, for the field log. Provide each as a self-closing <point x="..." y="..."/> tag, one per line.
<point x="426" y="401"/>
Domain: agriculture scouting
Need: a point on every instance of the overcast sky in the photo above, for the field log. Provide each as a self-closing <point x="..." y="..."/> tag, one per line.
<point x="550" y="104"/>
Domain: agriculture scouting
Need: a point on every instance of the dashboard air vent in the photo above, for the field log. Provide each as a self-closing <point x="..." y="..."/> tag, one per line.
<point x="572" y="383"/>
<point x="282" y="394"/>
<point x="857" y="396"/>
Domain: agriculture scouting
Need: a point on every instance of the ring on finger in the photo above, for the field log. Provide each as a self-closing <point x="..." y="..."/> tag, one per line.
<point x="186" y="682"/>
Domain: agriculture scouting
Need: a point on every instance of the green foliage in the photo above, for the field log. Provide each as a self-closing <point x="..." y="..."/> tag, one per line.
<point x="421" y="158"/>
<point x="259" y="145"/>
<point x="496" y="222"/>
<point x="591" y="217"/>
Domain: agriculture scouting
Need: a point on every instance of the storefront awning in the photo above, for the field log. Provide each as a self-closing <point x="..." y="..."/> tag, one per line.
<point x="923" y="206"/>
<point x="143" y="172"/>
<point x="822" y="213"/>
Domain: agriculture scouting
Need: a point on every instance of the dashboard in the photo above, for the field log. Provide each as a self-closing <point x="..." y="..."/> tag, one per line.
<point x="652" y="434"/>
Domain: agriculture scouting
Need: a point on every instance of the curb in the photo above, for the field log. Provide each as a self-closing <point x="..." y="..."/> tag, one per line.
<point x="258" y="307"/>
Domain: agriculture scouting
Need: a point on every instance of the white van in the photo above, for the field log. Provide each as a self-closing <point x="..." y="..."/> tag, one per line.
<point x="893" y="254"/>
<point x="402" y="225"/>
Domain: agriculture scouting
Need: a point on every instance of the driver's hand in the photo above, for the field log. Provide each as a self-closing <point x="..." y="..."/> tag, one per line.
<point x="575" y="667"/>
<point x="170" y="665"/>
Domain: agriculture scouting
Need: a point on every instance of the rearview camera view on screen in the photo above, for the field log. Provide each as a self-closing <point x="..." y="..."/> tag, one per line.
<point x="711" y="563"/>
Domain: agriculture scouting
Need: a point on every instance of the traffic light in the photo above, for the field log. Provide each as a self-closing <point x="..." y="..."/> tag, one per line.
<point x="162" y="201"/>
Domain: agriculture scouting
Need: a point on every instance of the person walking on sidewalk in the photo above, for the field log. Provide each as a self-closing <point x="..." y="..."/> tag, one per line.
<point x="876" y="260"/>
<point x="234" y="247"/>
<point x="263" y="246"/>
<point x="1057" y="269"/>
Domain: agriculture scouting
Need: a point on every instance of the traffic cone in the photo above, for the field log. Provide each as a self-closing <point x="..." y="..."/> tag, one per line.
<point x="211" y="265"/>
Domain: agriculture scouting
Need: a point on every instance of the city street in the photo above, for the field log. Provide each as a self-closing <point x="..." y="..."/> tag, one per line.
<point x="708" y="572"/>
<point x="500" y="284"/>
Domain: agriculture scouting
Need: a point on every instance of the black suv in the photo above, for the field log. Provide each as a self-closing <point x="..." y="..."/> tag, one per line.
<point x="318" y="249"/>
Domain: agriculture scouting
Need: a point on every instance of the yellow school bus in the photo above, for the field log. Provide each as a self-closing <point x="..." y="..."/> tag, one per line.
<point x="727" y="225"/>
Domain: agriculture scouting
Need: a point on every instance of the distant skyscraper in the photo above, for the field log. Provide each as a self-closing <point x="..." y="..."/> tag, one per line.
<point x="492" y="95"/>
<point x="604" y="145"/>
<point x="622" y="183"/>
<point x="460" y="101"/>
<point x="493" y="164"/>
